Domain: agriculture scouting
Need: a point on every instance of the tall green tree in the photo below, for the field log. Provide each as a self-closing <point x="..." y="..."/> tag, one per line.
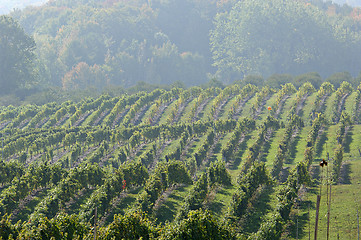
<point x="16" y="56"/>
<point x="276" y="36"/>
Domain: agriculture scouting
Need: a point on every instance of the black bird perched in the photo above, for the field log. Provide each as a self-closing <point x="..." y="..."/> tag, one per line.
<point x="323" y="163"/>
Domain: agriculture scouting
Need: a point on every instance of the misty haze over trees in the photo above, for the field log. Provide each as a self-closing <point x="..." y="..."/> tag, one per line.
<point x="180" y="119"/>
<point x="348" y="2"/>
<point x="93" y="44"/>
<point x="6" y="6"/>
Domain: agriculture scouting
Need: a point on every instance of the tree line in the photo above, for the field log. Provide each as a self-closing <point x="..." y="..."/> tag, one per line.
<point x="93" y="44"/>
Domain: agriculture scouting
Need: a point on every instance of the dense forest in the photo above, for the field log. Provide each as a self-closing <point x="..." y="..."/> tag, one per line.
<point x="97" y="44"/>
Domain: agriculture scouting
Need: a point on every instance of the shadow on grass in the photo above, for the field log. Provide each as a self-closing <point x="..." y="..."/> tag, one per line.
<point x="24" y="214"/>
<point x="141" y="115"/>
<point x="321" y="142"/>
<point x="258" y="207"/>
<point x="315" y="173"/>
<point x="213" y="158"/>
<point x="300" y="112"/>
<point x="179" y="189"/>
<point x="123" y="205"/>
<point x="345" y="174"/>
<point x="348" y="140"/>
<point x="293" y="149"/>
<point x="301" y="222"/>
<point x="308" y="204"/>
<point x="200" y="115"/>
<point x="216" y="207"/>
<point x="192" y="148"/>
<point x="238" y="156"/>
<point x="168" y="210"/>
<point x="76" y="206"/>
<point x="223" y="191"/>
<point x="221" y="111"/>
<point x="284" y="174"/>
<point x="120" y="209"/>
<point x="265" y="148"/>
<point x="217" y="148"/>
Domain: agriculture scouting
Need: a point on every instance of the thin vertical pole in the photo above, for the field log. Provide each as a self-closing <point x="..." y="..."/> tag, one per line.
<point x="328" y="206"/>
<point x="95" y="224"/>
<point x="327" y="184"/>
<point x="317" y="211"/>
<point x="321" y="181"/>
<point x="328" y="215"/>
<point x="338" y="231"/>
<point x="297" y="229"/>
<point x="298" y="213"/>
<point x="358" y="226"/>
<point x="309" y="223"/>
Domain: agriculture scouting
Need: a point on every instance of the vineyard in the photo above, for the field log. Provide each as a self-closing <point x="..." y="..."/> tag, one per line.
<point x="160" y="164"/>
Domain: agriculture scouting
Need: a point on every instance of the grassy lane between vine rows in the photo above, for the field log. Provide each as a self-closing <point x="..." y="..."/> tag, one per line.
<point x="298" y="147"/>
<point x="168" y="210"/>
<point x="308" y="106"/>
<point x="264" y="112"/>
<point x="296" y="152"/>
<point x="350" y="103"/>
<point x="287" y="107"/>
<point x="345" y="197"/>
<point x="227" y="108"/>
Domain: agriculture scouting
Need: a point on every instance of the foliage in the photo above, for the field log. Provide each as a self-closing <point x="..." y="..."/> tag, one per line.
<point x="198" y="224"/>
<point x="7" y="229"/>
<point x="63" y="226"/>
<point x="270" y="229"/>
<point x="244" y="125"/>
<point x="336" y="79"/>
<point x="165" y="175"/>
<point x="273" y="226"/>
<point x="247" y="185"/>
<point x="133" y="225"/>
<point x="269" y="124"/>
<point x="17" y="56"/>
<point x="285" y="91"/>
<point x="342" y="92"/>
<point x="295" y="124"/>
<point x="54" y="174"/>
<point x="218" y="174"/>
<point x="267" y="37"/>
<point x="98" y="44"/>
<point x="325" y="90"/>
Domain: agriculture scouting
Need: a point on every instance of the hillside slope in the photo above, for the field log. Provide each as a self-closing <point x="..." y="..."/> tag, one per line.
<point x="170" y="152"/>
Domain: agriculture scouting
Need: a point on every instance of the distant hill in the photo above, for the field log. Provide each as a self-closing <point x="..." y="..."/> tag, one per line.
<point x="7" y="6"/>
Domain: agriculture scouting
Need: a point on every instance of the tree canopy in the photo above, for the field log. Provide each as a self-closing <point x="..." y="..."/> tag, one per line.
<point x="84" y="44"/>
<point x="268" y="37"/>
<point x="17" y="55"/>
